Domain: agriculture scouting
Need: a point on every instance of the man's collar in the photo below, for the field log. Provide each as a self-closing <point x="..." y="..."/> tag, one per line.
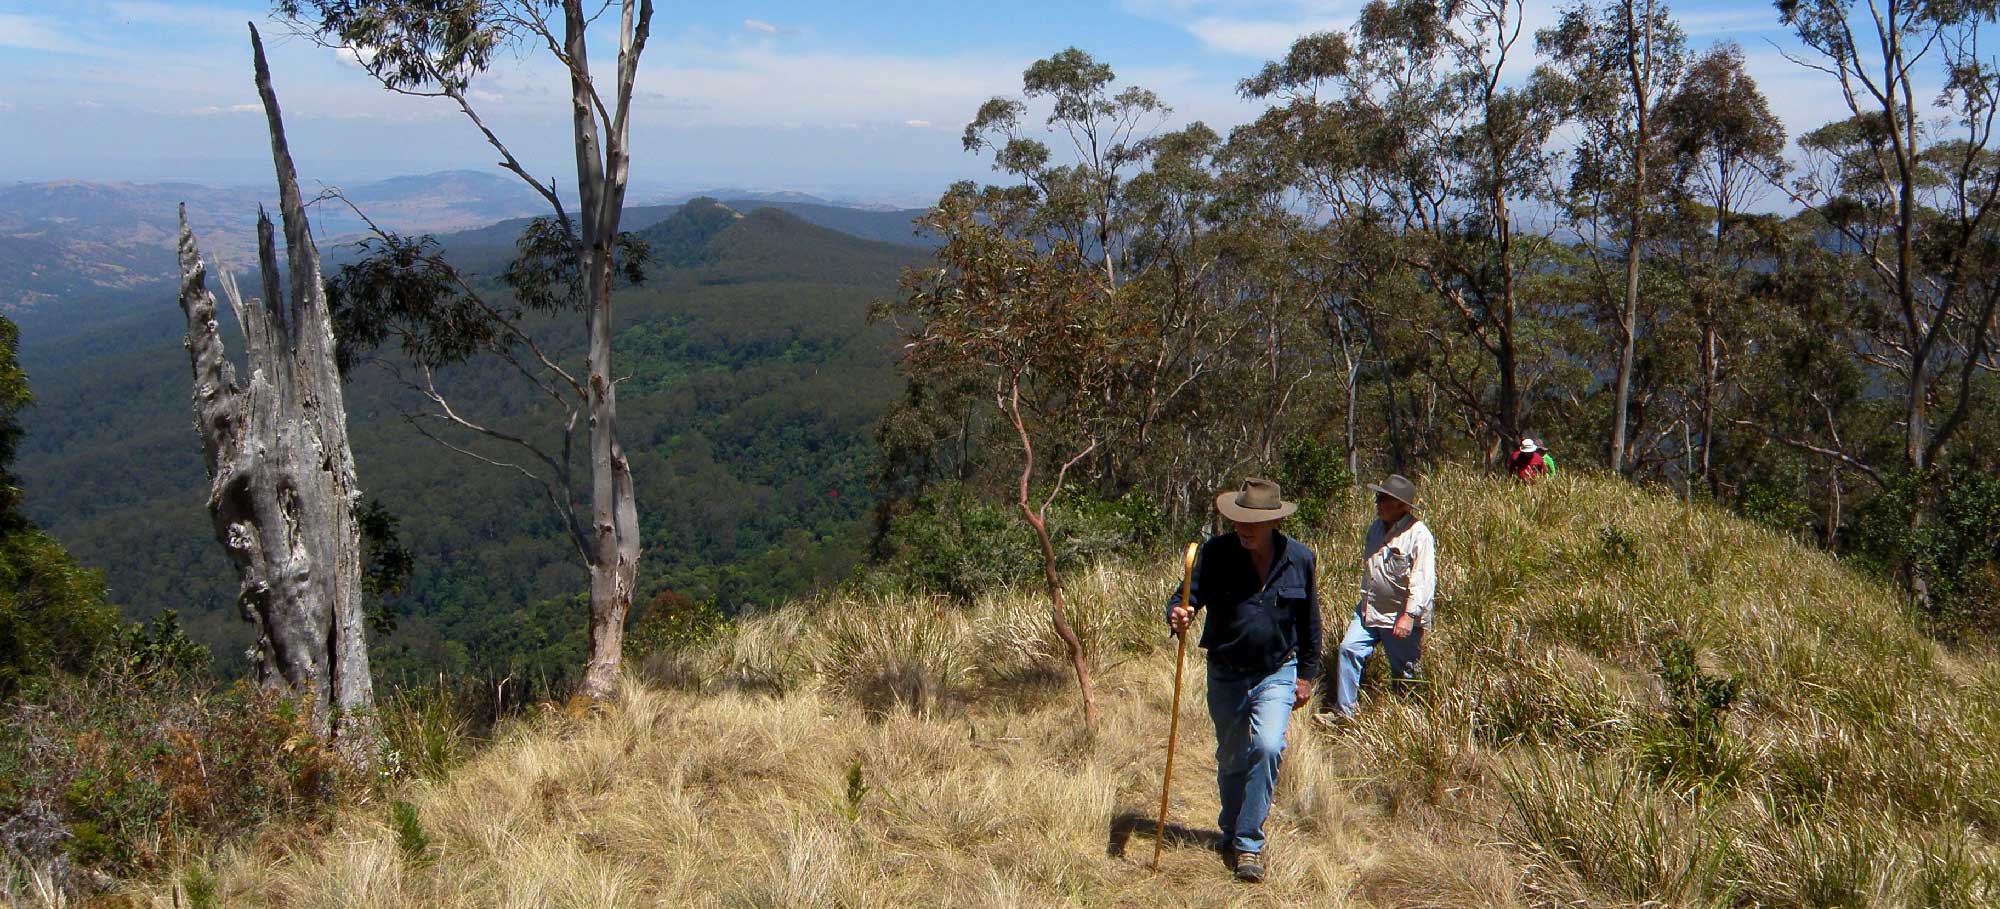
<point x="1403" y="523"/>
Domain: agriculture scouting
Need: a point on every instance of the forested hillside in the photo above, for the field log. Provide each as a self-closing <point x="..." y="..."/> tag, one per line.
<point x="751" y="381"/>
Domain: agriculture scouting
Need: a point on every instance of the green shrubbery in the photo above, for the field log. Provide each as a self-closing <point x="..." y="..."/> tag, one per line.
<point x="119" y="771"/>
<point x="53" y="617"/>
<point x="1311" y="473"/>
<point x="954" y="541"/>
<point x="1944" y="529"/>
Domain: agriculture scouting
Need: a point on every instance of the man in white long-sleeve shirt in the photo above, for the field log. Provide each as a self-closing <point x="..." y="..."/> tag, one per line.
<point x="1398" y="580"/>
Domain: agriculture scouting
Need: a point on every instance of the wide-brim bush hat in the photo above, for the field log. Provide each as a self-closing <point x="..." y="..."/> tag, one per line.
<point x="1528" y="446"/>
<point x="1398" y="488"/>
<point x="1258" y="500"/>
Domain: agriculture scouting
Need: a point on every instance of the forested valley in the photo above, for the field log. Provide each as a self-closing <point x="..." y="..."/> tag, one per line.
<point x="755" y="379"/>
<point x="657" y="500"/>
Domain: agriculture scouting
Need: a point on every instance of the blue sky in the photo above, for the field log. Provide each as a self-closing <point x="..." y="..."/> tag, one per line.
<point x="863" y="100"/>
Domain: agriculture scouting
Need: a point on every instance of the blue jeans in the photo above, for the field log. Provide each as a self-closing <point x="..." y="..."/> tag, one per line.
<point x="1250" y="714"/>
<point x="1359" y="644"/>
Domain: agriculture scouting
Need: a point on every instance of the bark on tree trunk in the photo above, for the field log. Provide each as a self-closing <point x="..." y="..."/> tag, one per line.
<point x="613" y="551"/>
<point x="1038" y="521"/>
<point x="282" y="484"/>
<point x="1059" y="618"/>
<point x="1628" y="318"/>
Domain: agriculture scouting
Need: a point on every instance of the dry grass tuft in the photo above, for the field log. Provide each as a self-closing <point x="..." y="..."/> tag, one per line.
<point x="882" y="751"/>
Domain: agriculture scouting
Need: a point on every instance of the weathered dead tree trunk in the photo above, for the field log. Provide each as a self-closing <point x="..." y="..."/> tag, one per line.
<point x="282" y="486"/>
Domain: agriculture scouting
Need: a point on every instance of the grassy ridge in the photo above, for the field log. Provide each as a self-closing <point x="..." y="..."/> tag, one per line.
<point x="1628" y="702"/>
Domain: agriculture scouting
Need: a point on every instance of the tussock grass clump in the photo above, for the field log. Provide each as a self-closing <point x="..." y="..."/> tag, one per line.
<point x="1627" y="700"/>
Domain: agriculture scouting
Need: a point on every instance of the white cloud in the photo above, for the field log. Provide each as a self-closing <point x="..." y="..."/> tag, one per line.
<point x="214" y="110"/>
<point x="757" y="86"/>
<point x="1249" y="28"/>
<point x="37" y="33"/>
<point x="759" y="25"/>
<point x="1726" y="22"/>
<point x="359" y="58"/>
<point x="6" y="105"/>
<point x="917" y="124"/>
<point x="88" y="104"/>
<point x="1265" y="39"/>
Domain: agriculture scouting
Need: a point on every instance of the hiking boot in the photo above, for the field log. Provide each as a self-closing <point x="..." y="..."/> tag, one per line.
<point x="1250" y="867"/>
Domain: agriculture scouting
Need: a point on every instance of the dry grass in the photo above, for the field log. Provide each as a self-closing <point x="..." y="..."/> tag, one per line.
<point x="1871" y="756"/>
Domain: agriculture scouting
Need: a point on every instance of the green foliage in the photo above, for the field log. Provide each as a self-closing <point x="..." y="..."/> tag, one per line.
<point x="199" y="885"/>
<point x="1772" y="504"/>
<point x="414" y="44"/>
<point x="386" y="563"/>
<point x="1944" y="528"/>
<point x="425" y="731"/>
<point x="53" y="617"/>
<point x="119" y="772"/>
<point x="857" y="789"/>
<point x="956" y="542"/>
<point x="674" y="623"/>
<point x="1615" y="547"/>
<point x="1689" y="742"/>
<point x="411" y="840"/>
<point x="1312" y="473"/>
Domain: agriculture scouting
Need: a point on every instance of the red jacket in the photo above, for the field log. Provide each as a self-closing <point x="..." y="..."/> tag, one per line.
<point x="1527" y="465"/>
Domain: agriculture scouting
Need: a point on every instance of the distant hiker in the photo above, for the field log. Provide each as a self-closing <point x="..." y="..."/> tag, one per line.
<point x="1263" y="643"/>
<point x="1531" y="461"/>
<point x="1398" y="579"/>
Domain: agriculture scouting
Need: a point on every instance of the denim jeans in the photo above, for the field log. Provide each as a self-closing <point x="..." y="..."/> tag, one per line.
<point x="1250" y="714"/>
<point x="1359" y="644"/>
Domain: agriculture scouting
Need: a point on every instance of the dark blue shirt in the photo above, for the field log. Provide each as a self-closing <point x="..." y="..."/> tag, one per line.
<point x="1256" y="624"/>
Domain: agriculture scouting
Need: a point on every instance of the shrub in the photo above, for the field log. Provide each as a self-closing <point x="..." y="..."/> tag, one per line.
<point x="1945" y="528"/>
<point x="956" y="542"/>
<point x="1312" y="473"/>
<point x="674" y="623"/>
<point x="411" y="840"/>
<point x="1687" y="741"/>
<point x="425" y="732"/>
<point x="53" y="617"/>
<point x="117" y="773"/>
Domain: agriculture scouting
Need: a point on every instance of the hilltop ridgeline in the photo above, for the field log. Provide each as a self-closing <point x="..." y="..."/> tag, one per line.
<point x="1628" y="699"/>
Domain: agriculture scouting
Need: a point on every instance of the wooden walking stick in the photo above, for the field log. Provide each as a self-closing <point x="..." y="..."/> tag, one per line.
<point x="1174" y="725"/>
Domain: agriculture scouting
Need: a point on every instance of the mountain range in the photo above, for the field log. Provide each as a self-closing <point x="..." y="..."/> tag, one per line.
<point x="88" y="242"/>
<point x="751" y="383"/>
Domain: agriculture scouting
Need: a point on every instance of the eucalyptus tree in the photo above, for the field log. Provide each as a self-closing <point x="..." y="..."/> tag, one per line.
<point x="1726" y="146"/>
<point x="1419" y="120"/>
<point x="1036" y="326"/>
<point x="1186" y="331"/>
<point x="437" y="49"/>
<point x="1329" y="136"/>
<point x="1083" y="201"/>
<point x="1615" y="62"/>
<point x="1913" y="201"/>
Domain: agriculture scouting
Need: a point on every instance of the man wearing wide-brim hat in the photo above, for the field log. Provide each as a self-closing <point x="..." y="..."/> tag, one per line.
<point x="1398" y="582"/>
<point x="1263" y="641"/>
